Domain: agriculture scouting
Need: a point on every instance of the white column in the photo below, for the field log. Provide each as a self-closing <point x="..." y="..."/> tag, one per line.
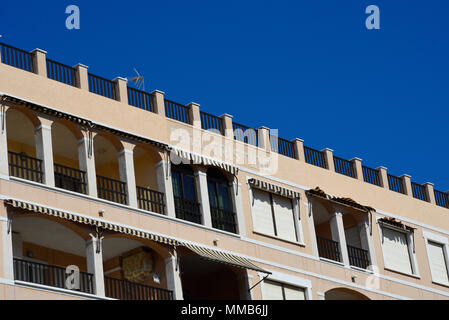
<point x="126" y="168"/>
<point x="367" y="242"/>
<point x="338" y="234"/>
<point x="236" y="189"/>
<point x="87" y="164"/>
<point x="164" y="182"/>
<point x="8" y="266"/>
<point x="297" y="221"/>
<point x="311" y="223"/>
<point x="203" y="196"/>
<point x="95" y="265"/>
<point x="44" y="151"/>
<point x="4" y="170"/>
<point x="173" y="278"/>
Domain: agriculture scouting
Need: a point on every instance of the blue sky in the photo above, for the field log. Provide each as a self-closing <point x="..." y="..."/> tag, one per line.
<point x="309" y="68"/>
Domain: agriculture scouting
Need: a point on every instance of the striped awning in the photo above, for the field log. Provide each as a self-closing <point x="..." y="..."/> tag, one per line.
<point x="266" y="186"/>
<point x="200" y="159"/>
<point x="90" y="221"/>
<point x="223" y="257"/>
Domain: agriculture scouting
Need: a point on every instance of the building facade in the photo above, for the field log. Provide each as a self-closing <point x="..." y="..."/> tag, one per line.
<point x="109" y="192"/>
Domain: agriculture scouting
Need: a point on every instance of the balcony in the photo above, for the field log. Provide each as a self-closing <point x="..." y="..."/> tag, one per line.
<point x="25" y="167"/>
<point x="150" y="200"/>
<point x="223" y="220"/>
<point x="127" y="290"/>
<point x="48" y="275"/>
<point x="112" y="190"/>
<point x="187" y="210"/>
<point x="358" y="257"/>
<point x="70" y="179"/>
<point x="329" y="249"/>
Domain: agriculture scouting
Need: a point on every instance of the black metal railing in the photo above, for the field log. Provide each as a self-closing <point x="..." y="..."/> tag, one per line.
<point x="127" y="290"/>
<point x="102" y="86"/>
<point x="282" y="146"/>
<point x="245" y="134"/>
<point x="441" y="199"/>
<point x="211" y="122"/>
<point x="176" y="111"/>
<point x="187" y="210"/>
<point x="61" y="72"/>
<point x="358" y="257"/>
<point x="344" y="167"/>
<point x="112" y="190"/>
<point x="371" y="175"/>
<point x="150" y="200"/>
<point x="223" y="220"/>
<point x="25" y="167"/>
<point x="17" y="57"/>
<point x="140" y="99"/>
<point x="419" y="192"/>
<point x="70" y="179"/>
<point x="395" y="184"/>
<point x="314" y="157"/>
<point x="48" y="275"/>
<point x="329" y="249"/>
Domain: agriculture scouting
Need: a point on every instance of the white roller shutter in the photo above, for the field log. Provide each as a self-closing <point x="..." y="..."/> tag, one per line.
<point x="395" y="250"/>
<point x="272" y="291"/>
<point x="263" y="215"/>
<point x="284" y="217"/>
<point x="293" y="293"/>
<point x="438" y="263"/>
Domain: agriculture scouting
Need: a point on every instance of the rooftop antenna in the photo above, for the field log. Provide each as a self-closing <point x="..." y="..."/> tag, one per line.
<point x="139" y="80"/>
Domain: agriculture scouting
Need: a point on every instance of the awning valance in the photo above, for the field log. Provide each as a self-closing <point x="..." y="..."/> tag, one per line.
<point x="223" y="257"/>
<point x="266" y="186"/>
<point x="200" y="159"/>
<point x="87" y="220"/>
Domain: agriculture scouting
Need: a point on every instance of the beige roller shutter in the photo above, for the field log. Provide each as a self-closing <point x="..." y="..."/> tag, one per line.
<point x="263" y="215"/>
<point x="284" y="218"/>
<point x="438" y="263"/>
<point x="272" y="291"/>
<point x="294" y="293"/>
<point x="395" y="250"/>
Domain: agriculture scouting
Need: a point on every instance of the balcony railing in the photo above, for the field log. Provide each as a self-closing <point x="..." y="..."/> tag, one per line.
<point x="61" y="72"/>
<point x="371" y="176"/>
<point x="25" y="167"/>
<point x="282" y="146"/>
<point x="358" y="257"/>
<point x="395" y="184"/>
<point x="329" y="249"/>
<point x="187" y="210"/>
<point x="223" y="220"/>
<point x="127" y="290"/>
<point x="150" y="200"/>
<point x="112" y="190"/>
<point x="245" y="134"/>
<point x="102" y="86"/>
<point x="211" y="122"/>
<point x="176" y="111"/>
<point x="314" y="157"/>
<point x="70" y="179"/>
<point x="441" y="199"/>
<point x="139" y="99"/>
<point x="419" y="192"/>
<point x="344" y="167"/>
<point x="49" y="275"/>
<point x="17" y="57"/>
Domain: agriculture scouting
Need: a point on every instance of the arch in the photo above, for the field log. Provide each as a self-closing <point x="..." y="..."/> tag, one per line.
<point x="106" y="148"/>
<point x="344" y="294"/>
<point x="76" y="131"/>
<point x="145" y="160"/>
<point x="27" y="112"/>
<point x="20" y="130"/>
<point x="65" y="136"/>
<point x="112" y="139"/>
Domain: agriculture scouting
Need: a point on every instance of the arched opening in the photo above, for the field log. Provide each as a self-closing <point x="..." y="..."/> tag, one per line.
<point x="109" y="184"/>
<point x="148" y="196"/>
<point x="185" y="193"/>
<point x="344" y="294"/>
<point x="221" y="201"/>
<point x="22" y="154"/>
<point x="134" y="269"/>
<point x="65" y="137"/>
<point x="43" y="247"/>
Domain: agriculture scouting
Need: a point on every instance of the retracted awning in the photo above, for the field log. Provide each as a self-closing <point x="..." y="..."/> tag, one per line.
<point x="200" y="159"/>
<point x="86" y="220"/>
<point x="223" y="257"/>
<point x="266" y="186"/>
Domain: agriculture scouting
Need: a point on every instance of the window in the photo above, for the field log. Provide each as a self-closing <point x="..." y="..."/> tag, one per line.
<point x="396" y="251"/>
<point x="186" y="206"/>
<point x="437" y="253"/>
<point x="279" y="291"/>
<point x="274" y="215"/>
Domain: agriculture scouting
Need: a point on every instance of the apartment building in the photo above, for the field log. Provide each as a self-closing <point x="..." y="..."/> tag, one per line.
<point x="109" y="192"/>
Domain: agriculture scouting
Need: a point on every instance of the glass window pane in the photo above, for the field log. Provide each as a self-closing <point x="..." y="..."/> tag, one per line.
<point x="212" y="194"/>
<point x="189" y="188"/>
<point x="223" y="198"/>
<point x="176" y="181"/>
